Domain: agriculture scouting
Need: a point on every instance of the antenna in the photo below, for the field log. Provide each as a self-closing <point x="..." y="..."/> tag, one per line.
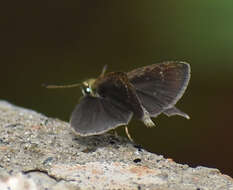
<point x="104" y="70"/>
<point x="61" y="86"/>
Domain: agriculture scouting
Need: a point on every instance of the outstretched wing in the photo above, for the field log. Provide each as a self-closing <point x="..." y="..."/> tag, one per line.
<point x="95" y="115"/>
<point x="160" y="86"/>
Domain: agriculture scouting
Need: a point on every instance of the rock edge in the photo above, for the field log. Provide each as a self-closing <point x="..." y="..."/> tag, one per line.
<point x="37" y="152"/>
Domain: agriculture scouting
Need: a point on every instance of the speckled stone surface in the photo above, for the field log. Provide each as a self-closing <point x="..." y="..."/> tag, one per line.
<point x="46" y="154"/>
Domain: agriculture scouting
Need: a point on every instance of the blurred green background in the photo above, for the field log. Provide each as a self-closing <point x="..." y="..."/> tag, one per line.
<point x="61" y="42"/>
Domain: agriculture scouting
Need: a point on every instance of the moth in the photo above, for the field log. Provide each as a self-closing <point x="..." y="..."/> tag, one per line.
<point x="113" y="98"/>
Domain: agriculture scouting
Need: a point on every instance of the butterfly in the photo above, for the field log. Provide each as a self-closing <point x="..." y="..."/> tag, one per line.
<point x="113" y="98"/>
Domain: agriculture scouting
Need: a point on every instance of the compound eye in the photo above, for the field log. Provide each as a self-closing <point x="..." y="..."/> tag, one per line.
<point x="87" y="90"/>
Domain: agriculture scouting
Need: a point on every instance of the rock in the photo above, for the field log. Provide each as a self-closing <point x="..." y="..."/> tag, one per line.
<point x="43" y="153"/>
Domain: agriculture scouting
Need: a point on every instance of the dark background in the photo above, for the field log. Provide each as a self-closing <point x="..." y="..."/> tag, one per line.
<point x="62" y="42"/>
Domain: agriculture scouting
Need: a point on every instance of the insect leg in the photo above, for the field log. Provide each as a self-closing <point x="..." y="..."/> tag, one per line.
<point x="127" y="133"/>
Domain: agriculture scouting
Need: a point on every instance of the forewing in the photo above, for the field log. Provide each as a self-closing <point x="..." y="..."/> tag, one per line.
<point x="95" y="115"/>
<point x="160" y="86"/>
<point x="116" y="87"/>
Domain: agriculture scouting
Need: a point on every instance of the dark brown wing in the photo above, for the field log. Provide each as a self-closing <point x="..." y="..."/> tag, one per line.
<point x="160" y="86"/>
<point x="95" y="115"/>
<point x="116" y="87"/>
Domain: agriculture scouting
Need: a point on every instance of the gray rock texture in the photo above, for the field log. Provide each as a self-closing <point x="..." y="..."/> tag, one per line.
<point x="41" y="153"/>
